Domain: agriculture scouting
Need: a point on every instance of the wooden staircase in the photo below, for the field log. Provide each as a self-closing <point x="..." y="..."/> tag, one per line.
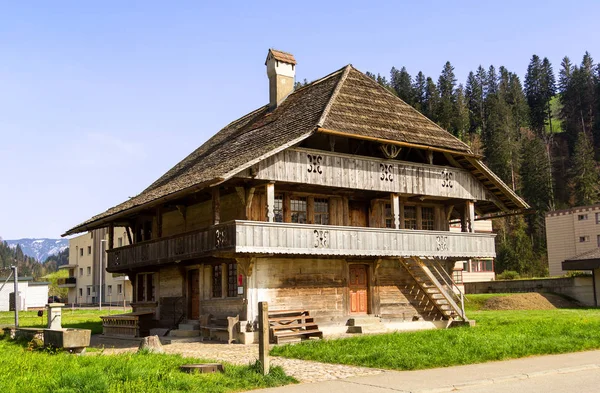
<point x="430" y="277"/>
<point x="292" y="325"/>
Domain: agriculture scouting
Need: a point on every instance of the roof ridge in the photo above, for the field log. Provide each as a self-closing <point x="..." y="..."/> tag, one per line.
<point x="395" y="97"/>
<point x="320" y="80"/>
<point x="334" y="95"/>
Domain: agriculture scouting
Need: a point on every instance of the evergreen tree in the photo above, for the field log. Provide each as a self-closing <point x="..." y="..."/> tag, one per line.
<point x="475" y="96"/>
<point x="460" y="122"/>
<point x="445" y="110"/>
<point x="432" y="98"/>
<point x="584" y="172"/>
<point x="420" y="92"/>
<point x="536" y="180"/>
<point x="401" y="83"/>
<point x="548" y="89"/>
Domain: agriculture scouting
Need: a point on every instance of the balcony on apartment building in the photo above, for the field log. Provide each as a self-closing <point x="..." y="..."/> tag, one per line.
<point x="256" y="238"/>
<point x="68" y="282"/>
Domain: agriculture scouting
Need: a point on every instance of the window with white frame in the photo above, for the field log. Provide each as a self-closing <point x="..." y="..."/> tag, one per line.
<point x="583" y="239"/>
<point x="582" y="217"/>
<point x="119" y="289"/>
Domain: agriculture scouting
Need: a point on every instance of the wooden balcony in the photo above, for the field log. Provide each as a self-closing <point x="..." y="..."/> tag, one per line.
<point x="265" y="238"/>
<point x="68" y="282"/>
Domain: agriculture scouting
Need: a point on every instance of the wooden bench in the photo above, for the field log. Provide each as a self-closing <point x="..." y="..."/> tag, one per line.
<point x="127" y="325"/>
<point x="210" y="325"/>
<point x="287" y="325"/>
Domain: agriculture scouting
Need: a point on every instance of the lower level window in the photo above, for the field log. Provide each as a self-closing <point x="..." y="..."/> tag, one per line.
<point x="225" y="286"/>
<point x="482" y="265"/>
<point x="145" y="291"/>
<point x="457" y="276"/>
<point x="217" y="281"/>
<point x="232" y="280"/>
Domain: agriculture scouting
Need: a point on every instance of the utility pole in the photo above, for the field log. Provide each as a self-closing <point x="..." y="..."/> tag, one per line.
<point x="16" y="280"/>
<point x="101" y="272"/>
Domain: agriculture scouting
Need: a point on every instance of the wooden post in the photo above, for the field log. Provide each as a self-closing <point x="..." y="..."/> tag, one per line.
<point x="470" y="216"/>
<point x="129" y="237"/>
<point x="111" y="236"/>
<point x="263" y="336"/>
<point x="270" y="202"/>
<point x="216" y="206"/>
<point x="395" y="202"/>
<point x="159" y="221"/>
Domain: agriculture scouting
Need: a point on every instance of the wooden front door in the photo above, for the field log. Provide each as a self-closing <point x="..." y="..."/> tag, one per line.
<point x="194" y="294"/>
<point x="357" y="285"/>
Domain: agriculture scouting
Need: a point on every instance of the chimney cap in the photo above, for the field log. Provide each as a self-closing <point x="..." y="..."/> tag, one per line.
<point x="282" y="56"/>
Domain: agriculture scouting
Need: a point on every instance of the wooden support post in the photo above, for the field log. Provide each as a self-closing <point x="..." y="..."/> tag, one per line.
<point x="287" y="212"/>
<point x="395" y="202"/>
<point x="470" y="216"/>
<point x="270" y="188"/>
<point x="216" y="206"/>
<point x="129" y="237"/>
<point x="419" y="217"/>
<point x="111" y="236"/>
<point x="263" y="336"/>
<point x="159" y="221"/>
<point x="401" y="212"/>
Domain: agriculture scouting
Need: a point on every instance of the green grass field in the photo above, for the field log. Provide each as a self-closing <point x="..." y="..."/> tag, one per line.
<point x="80" y="319"/>
<point x="498" y="335"/>
<point x="22" y="370"/>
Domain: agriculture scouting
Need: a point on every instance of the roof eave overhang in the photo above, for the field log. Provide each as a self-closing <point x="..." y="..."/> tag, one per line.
<point x="398" y="143"/>
<point x="581" y="264"/>
<point x="104" y="221"/>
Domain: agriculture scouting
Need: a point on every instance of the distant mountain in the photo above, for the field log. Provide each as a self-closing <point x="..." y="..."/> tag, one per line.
<point x="40" y="249"/>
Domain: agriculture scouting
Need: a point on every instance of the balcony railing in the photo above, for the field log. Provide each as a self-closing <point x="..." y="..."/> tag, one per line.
<point x="260" y="238"/>
<point x="67" y="282"/>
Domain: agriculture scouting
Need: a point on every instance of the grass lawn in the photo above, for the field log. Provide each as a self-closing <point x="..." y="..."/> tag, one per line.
<point x="80" y="319"/>
<point x="22" y="370"/>
<point x="498" y="335"/>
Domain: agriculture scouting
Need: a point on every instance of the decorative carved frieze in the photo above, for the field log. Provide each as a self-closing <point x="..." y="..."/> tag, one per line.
<point x="390" y="151"/>
<point x="447" y="178"/>
<point x="441" y="243"/>
<point x="314" y="163"/>
<point x="321" y="239"/>
<point x="387" y="172"/>
<point x="221" y="238"/>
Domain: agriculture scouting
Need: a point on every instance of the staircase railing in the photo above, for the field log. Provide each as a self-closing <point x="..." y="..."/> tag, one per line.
<point x="449" y="283"/>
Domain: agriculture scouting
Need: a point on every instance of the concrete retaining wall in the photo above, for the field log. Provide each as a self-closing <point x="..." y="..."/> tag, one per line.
<point x="579" y="288"/>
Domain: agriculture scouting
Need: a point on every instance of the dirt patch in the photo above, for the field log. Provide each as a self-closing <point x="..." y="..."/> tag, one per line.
<point x="528" y="301"/>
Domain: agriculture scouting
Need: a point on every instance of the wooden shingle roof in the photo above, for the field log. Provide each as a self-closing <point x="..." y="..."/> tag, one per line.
<point x="281" y="56"/>
<point x="346" y="101"/>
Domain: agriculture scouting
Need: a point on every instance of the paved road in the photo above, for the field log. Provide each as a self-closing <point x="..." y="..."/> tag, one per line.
<point x="575" y="372"/>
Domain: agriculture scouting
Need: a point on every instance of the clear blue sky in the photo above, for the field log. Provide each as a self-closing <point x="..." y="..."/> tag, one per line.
<point x="98" y="99"/>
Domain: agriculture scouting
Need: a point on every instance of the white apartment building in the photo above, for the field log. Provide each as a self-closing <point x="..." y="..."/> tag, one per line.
<point x="571" y="232"/>
<point x="87" y="270"/>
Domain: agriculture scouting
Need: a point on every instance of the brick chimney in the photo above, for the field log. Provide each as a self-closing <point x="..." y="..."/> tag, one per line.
<point x="281" y="69"/>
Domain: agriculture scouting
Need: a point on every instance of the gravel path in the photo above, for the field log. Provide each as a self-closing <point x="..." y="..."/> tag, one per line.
<point x="302" y="370"/>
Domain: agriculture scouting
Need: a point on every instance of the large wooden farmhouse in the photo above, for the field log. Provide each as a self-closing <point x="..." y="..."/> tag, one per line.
<point x="334" y="199"/>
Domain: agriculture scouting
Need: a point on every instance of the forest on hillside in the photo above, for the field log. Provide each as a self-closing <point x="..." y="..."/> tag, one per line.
<point x="540" y="135"/>
<point x="28" y="266"/>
